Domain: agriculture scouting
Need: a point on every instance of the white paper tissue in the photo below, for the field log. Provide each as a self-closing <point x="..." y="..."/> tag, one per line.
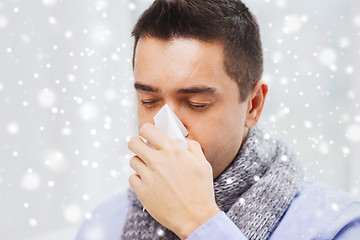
<point x="167" y="122"/>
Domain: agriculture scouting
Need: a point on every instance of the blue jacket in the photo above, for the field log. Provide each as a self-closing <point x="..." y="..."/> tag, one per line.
<point x="316" y="213"/>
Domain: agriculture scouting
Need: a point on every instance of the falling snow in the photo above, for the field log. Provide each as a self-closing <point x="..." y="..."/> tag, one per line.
<point x="292" y="24"/>
<point x="229" y="180"/>
<point x="13" y="128"/>
<point x="30" y="181"/>
<point x="353" y="133"/>
<point x="54" y="160"/>
<point x="327" y="57"/>
<point x="33" y="222"/>
<point x="72" y="213"/>
<point x="52" y="20"/>
<point x="49" y="2"/>
<point x="160" y="232"/>
<point x="46" y="98"/>
<point x="69" y="109"/>
<point x="88" y="111"/>
<point x="3" y="22"/>
<point x="335" y="207"/>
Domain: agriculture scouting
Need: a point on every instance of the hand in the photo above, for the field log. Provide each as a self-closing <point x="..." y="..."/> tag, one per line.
<point x="173" y="183"/>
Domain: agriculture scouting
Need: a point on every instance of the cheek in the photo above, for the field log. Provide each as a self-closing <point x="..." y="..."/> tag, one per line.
<point x="218" y="135"/>
<point x="145" y="117"/>
<point x="206" y="132"/>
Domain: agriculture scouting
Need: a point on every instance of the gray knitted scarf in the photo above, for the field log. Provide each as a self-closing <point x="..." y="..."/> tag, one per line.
<point x="254" y="191"/>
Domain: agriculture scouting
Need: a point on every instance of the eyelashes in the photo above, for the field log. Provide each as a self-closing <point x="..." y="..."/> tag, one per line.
<point x="148" y="103"/>
<point x="192" y="106"/>
<point x="196" y="106"/>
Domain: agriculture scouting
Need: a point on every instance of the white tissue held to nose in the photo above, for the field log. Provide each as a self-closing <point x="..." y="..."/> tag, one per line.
<point x="167" y="122"/>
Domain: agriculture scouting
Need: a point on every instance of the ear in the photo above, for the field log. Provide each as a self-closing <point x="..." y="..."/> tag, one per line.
<point x="256" y="102"/>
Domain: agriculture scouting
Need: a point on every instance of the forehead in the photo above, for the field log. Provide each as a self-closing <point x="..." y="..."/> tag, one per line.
<point x="179" y="62"/>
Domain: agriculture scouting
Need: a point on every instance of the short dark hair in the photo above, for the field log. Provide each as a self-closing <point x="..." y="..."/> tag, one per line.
<point x="226" y="21"/>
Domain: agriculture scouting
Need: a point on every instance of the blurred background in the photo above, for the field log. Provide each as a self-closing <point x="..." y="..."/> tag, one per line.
<point x="68" y="109"/>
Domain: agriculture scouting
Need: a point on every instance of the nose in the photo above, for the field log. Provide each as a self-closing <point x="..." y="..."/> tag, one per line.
<point x="176" y="111"/>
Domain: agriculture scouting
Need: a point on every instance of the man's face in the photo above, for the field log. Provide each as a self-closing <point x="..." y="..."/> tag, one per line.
<point x="189" y="76"/>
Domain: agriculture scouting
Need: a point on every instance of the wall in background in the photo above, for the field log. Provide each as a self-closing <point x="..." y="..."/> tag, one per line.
<point x="68" y="107"/>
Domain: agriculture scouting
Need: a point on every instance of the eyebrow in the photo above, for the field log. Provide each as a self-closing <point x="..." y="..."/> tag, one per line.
<point x="191" y="90"/>
<point x="199" y="89"/>
<point x="147" y="88"/>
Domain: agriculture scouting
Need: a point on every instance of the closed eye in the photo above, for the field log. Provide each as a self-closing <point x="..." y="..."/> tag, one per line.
<point x="198" y="107"/>
<point x="191" y="105"/>
<point x="148" y="103"/>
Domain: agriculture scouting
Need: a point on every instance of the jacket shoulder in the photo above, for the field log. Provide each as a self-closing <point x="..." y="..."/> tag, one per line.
<point x="318" y="212"/>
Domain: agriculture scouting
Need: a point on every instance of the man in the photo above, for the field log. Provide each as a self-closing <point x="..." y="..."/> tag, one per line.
<point x="233" y="181"/>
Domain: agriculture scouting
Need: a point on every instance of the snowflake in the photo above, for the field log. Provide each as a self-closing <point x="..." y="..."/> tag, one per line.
<point x="51" y="184"/>
<point x="160" y="232"/>
<point x="46" y="98"/>
<point x="30" y="181"/>
<point x="54" y="160"/>
<point x="13" y="128"/>
<point x="308" y="124"/>
<point x="49" y="2"/>
<point x="100" y="5"/>
<point x="72" y="213"/>
<point x="353" y="133"/>
<point x="292" y="24"/>
<point x="52" y="20"/>
<point x="132" y="6"/>
<point x="3" y="22"/>
<point x="88" y="111"/>
<point x="229" y="181"/>
<point x="33" y="222"/>
<point x="327" y="57"/>
<point x="335" y="207"/>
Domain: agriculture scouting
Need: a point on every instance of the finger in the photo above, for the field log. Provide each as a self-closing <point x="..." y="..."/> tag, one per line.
<point x="195" y="148"/>
<point x="139" y="166"/>
<point x="154" y="136"/>
<point x="137" y="146"/>
<point x="136" y="183"/>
